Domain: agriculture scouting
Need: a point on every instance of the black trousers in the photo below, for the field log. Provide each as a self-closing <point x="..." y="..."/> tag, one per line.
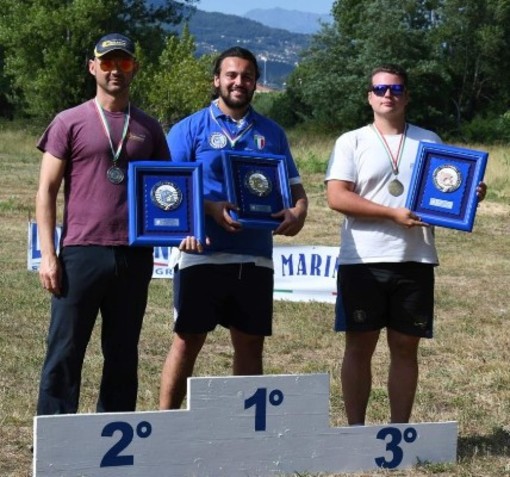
<point x="110" y="280"/>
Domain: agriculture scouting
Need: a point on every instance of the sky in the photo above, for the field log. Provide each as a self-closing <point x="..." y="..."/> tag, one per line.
<point x="239" y="7"/>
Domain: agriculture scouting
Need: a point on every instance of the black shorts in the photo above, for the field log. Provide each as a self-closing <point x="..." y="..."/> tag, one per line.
<point x="238" y="295"/>
<point x="399" y="296"/>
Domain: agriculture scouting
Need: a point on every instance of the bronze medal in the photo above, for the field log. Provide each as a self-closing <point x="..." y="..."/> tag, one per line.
<point x="396" y="188"/>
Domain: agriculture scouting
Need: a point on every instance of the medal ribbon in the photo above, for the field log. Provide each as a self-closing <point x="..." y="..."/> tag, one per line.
<point x="231" y="140"/>
<point x="394" y="160"/>
<point x="104" y="121"/>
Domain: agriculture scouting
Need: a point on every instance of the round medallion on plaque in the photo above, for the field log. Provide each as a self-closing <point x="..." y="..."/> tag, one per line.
<point x="258" y="183"/>
<point x="447" y="178"/>
<point x="166" y="195"/>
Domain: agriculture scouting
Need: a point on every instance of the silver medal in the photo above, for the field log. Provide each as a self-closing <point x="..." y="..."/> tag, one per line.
<point x="396" y="188"/>
<point x="115" y="175"/>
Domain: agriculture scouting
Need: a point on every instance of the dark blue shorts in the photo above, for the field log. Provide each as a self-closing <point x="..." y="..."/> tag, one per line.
<point x="238" y="295"/>
<point x="399" y="296"/>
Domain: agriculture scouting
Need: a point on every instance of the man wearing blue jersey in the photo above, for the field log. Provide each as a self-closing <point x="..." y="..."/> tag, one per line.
<point x="231" y="282"/>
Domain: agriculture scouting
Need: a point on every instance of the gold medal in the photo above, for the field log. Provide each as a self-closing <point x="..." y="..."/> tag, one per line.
<point x="396" y="188"/>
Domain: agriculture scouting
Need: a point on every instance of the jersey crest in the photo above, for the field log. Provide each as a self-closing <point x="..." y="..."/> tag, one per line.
<point x="217" y="140"/>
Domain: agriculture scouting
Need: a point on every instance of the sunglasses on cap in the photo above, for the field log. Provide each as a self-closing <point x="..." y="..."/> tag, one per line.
<point x="126" y="65"/>
<point x="395" y="89"/>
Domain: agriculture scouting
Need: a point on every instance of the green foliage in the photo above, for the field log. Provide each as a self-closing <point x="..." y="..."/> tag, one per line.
<point x="487" y="129"/>
<point x="278" y="106"/>
<point x="473" y="41"/>
<point x="46" y="44"/>
<point x="178" y="84"/>
<point x="263" y="102"/>
<point x="332" y="79"/>
<point x="430" y="93"/>
<point x="455" y="51"/>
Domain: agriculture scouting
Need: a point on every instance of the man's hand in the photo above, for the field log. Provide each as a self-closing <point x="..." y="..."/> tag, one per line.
<point x="191" y="244"/>
<point x="481" y="191"/>
<point x="293" y="221"/>
<point x="406" y="218"/>
<point x="220" y="212"/>
<point x="50" y="274"/>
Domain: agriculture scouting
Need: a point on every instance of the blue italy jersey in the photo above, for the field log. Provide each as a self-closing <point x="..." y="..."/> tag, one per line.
<point x="202" y="137"/>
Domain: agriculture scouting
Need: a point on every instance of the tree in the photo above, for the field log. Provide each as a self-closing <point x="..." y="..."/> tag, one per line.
<point x="178" y="84"/>
<point x="471" y="39"/>
<point x="332" y="78"/>
<point x="456" y="52"/>
<point x="5" y="97"/>
<point x="47" y="43"/>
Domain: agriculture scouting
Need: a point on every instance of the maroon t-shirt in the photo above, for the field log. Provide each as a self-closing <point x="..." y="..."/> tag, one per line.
<point x="96" y="210"/>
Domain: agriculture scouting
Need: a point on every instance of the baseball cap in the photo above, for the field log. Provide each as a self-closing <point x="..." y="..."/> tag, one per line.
<point x="112" y="42"/>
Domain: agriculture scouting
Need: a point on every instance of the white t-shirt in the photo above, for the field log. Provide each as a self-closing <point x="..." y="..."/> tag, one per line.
<point x="360" y="157"/>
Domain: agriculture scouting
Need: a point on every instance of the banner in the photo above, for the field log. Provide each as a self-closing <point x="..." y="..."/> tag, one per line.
<point x="305" y="273"/>
<point x="34" y="247"/>
<point x="301" y="272"/>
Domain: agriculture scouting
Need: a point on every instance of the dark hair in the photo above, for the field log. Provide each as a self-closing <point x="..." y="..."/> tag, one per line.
<point x="236" y="52"/>
<point x="388" y="68"/>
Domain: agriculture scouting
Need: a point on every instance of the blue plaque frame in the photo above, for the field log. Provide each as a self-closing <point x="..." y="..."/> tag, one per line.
<point x="154" y="222"/>
<point x="255" y="210"/>
<point x="443" y="185"/>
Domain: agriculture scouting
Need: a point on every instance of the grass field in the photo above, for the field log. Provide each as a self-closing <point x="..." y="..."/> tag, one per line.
<point x="464" y="370"/>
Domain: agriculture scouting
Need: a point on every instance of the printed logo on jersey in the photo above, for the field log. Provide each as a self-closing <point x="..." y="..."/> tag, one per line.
<point x="260" y="141"/>
<point x="136" y="137"/>
<point x="217" y="140"/>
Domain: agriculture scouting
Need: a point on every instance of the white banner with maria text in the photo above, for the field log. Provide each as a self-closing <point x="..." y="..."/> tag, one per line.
<point x="301" y="272"/>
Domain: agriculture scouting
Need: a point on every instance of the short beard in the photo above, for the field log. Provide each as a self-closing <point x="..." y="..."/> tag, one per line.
<point x="236" y="104"/>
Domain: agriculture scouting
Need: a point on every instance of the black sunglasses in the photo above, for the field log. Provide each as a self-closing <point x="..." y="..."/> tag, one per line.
<point x="395" y="89"/>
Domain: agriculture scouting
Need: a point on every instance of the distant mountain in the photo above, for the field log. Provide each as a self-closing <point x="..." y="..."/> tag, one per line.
<point x="277" y="49"/>
<point x="291" y="20"/>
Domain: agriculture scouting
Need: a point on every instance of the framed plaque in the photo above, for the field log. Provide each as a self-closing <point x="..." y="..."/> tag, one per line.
<point x="259" y="185"/>
<point x="165" y="202"/>
<point x="443" y="185"/>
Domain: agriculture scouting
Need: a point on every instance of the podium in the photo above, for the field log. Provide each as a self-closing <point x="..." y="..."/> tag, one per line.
<point x="241" y="425"/>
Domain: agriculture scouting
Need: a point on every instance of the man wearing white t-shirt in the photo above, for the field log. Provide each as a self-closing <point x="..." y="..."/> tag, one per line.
<point x="387" y="254"/>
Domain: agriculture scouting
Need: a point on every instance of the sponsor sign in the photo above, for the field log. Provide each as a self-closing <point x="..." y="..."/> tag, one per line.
<point x="301" y="272"/>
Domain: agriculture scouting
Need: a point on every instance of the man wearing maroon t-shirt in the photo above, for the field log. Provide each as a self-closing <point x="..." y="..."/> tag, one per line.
<point x="88" y="147"/>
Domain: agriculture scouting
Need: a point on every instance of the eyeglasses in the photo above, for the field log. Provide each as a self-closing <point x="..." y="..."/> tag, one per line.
<point x="395" y="89"/>
<point x="126" y="65"/>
